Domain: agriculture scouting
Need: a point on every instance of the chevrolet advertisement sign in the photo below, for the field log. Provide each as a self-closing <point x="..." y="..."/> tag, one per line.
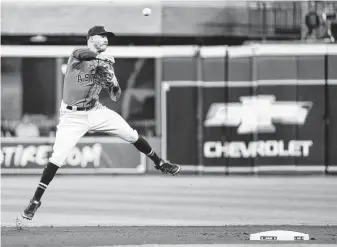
<point x="257" y="114"/>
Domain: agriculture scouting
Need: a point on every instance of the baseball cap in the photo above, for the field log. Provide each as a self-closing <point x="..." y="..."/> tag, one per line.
<point x="96" y="30"/>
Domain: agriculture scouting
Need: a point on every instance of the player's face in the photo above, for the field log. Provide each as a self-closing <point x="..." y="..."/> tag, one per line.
<point x="100" y="42"/>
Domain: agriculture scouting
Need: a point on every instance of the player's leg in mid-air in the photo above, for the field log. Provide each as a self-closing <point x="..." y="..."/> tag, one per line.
<point x="109" y="121"/>
<point x="72" y="126"/>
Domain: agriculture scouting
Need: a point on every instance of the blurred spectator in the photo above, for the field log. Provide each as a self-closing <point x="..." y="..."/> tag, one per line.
<point x="328" y="18"/>
<point x="5" y="132"/>
<point x="318" y="22"/>
<point x="312" y="22"/>
<point x="26" y="128"/>
<point x="5" y="129"/>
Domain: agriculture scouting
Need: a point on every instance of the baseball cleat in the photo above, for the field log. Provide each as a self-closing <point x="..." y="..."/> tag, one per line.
<point x="168" y="167"/>
<point x="29" y="212"/>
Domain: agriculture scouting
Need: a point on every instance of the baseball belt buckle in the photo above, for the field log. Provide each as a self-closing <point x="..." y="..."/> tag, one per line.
<point x="74" y="108"/>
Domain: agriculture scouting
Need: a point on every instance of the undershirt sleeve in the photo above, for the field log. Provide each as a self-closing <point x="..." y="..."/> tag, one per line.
<point x="84" y="54"/>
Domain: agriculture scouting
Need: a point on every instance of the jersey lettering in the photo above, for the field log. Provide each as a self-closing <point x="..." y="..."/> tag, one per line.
<point x="85" y="78"/>
<point x="79" y="84"/>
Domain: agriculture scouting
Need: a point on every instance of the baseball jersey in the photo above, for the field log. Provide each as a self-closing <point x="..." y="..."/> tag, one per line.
<point x="79" y="88"/>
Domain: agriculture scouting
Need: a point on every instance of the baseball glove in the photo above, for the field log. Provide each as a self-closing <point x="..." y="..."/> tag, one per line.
<point x="104" y="74"/>
<point x="106" y="78"/>
<point x="115" y="92"/>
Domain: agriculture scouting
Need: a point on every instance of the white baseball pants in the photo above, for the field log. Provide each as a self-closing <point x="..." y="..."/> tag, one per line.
<point x="74" y="124"/>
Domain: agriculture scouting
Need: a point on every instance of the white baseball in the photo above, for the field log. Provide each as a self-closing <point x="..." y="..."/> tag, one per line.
<point x="146" y="11"/>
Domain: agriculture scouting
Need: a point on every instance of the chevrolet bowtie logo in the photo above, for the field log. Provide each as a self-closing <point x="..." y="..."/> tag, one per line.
<point x="257" y="114"/>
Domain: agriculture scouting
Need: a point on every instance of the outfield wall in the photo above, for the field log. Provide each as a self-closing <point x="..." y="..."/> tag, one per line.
<point x="253" y="109"/>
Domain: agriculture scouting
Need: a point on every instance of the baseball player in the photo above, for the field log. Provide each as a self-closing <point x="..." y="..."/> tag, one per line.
<point x="81" y="111"/>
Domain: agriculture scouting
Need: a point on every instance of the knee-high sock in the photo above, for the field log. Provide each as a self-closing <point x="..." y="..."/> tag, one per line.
<point x="47" y="176"/>
<point x="143" y="146"/>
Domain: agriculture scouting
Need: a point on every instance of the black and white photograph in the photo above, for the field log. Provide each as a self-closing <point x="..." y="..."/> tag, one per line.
<point x="157" y="123"/>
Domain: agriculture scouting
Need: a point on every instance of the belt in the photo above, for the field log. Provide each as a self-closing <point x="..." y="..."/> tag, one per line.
<point x="76" y="108"/>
